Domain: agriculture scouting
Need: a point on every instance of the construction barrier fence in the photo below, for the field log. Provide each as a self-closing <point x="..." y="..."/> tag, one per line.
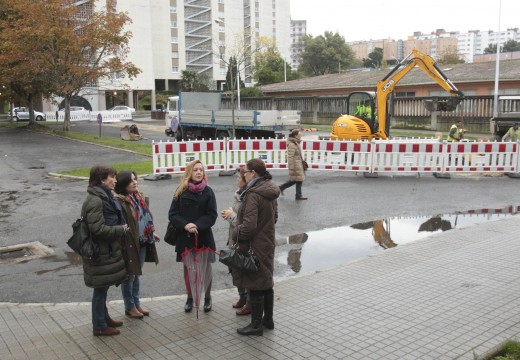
<point x="376" y="156"/>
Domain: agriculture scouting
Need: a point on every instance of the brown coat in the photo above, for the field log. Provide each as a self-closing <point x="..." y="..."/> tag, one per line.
<point x="255" y="224"/>
<point x="131" y="246"/>
<point x="295" y="160"/>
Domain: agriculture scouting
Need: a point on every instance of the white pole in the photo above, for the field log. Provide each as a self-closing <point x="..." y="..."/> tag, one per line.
<point x="284" y="70"/>
<point x="497" y="69"/>
<point x="238" y="88"/>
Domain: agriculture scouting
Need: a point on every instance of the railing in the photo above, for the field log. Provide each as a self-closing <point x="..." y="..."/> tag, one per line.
<point x="475" y="111"/>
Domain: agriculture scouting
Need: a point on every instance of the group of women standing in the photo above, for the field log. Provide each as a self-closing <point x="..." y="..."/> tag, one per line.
<point x="119" y="219"/>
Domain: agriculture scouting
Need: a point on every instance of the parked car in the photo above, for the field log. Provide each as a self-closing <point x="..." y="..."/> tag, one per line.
<point x="74" y="109"/>
<point x="22" y="114"/>
<point x="122" y="108"/>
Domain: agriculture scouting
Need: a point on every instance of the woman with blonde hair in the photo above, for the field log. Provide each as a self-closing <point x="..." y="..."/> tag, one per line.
<point x="193" y="212"/>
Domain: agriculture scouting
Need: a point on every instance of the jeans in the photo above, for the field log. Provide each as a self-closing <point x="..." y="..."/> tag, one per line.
<point x="99" y="308"/>
<point x="130" y="287"/>
<point x="288" y="184"/>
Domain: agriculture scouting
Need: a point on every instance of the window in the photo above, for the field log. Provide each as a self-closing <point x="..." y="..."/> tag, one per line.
<point x="174" y="40"/>
<point x="175" y="54"/>
<point x="174" y="24"/>
<point x="175" y="69"/>
<point x="173" y="9"/>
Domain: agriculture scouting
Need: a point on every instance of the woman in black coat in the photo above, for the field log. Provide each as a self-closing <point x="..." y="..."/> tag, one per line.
<point x="193" y="212"/>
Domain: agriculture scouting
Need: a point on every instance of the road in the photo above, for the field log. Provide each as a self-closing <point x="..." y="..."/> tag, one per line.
<point x="38" y="207"/>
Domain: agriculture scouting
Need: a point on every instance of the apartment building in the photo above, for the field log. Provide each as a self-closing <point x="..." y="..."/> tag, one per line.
<point x="199" y="35"/>
<point x="437" y="44"/>
<point x="298" y="31"/>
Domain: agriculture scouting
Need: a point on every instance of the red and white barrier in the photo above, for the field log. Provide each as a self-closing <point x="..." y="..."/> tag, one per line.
<point x="172" y="157"/>
<point x="377" y="156"/>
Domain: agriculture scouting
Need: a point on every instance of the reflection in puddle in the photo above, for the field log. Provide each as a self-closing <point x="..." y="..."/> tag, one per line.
<point x="73" y="259"/>
<point x="325" y="249"/>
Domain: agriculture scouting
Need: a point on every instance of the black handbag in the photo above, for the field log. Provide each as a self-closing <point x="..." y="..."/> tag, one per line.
<point x="305" y="165"/>
<point x="81" y="240"/>
<point x="170" y="237"/>
<point x="247" y="262"/>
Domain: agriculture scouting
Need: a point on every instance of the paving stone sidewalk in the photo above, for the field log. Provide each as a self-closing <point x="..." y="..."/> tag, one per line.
<point x="450" y="296"/>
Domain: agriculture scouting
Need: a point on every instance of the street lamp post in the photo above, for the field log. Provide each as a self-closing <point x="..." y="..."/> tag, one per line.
<point x="497" y="68"/>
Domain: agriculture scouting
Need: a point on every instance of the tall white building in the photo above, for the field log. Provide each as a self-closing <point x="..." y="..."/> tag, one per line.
<point x="298" y="31"/>
<point x="173" y="35"/>
<point x="475" y="42"/>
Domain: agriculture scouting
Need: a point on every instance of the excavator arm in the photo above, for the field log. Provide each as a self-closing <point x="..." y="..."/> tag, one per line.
<point x="386" y="86"/>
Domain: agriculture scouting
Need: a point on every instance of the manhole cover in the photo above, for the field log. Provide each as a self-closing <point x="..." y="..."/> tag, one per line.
<point x="24" y="252"/>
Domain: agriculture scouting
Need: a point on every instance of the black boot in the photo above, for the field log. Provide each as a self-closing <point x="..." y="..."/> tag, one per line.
<point x="189" y="305"/>
<point x="267" y="321"/>
<point x="257" y="311"/>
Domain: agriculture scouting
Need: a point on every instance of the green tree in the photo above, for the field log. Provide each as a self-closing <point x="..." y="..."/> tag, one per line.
<point x="269" y="67"/>
<point x="251" y="92"/>
<point x="491" y="49"/>
<point x="375" y="59"/>
<point x="193" y="81"/>
<point x="325" y="54"/>
<point x="511" y="45"/>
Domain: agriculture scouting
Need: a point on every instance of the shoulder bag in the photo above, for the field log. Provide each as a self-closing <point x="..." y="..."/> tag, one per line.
<point x="170" y="236"/>
<point x="81" y="240"/>
<point x="247" y="262"/>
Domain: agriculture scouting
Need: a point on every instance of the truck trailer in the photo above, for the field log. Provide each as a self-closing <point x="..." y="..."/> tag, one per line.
<point x="197" y="115"/>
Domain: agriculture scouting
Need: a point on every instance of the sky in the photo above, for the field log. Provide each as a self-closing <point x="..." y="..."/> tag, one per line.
<point x="398" y="19"/>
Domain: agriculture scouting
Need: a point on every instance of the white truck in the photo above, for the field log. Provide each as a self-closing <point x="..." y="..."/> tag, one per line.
<point x="197" y="115"/>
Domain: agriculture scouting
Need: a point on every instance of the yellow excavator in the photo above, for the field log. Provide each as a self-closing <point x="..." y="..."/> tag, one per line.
<point x="368" y="116"/>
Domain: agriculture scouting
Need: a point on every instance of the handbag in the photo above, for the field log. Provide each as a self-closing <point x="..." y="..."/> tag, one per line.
<point x="81" y="240"/>
<point x="170" y="237"/>
<point x="236" y="261"/>
<point x="305" y="165"/>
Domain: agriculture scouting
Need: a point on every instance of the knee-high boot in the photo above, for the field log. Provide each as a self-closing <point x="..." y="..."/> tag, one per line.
<point x="268" y="311"/>
<point x="257" y="311"/>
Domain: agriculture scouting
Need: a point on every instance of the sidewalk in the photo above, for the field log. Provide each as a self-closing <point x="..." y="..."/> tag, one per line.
<point x="448" y="296"/>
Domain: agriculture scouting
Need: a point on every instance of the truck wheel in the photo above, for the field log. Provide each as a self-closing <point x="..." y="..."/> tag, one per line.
<point x="221" y="135"/>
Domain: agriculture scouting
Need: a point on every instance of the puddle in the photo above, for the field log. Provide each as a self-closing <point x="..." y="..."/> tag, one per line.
<point x="325" y="249"/>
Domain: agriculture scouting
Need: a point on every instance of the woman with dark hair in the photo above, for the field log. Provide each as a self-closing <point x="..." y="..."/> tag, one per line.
<point x="107" y="227"/>
<point x="230" y="215"/>
<point x="295" y="164"/>
<point x="255" y="229"/>
<point x="139" y="242"/>
<point x="193" y="212"/>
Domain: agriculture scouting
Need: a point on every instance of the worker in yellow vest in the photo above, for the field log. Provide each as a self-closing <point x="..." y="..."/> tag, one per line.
<point x="513" y="134"/>
<point x="456" y="132"/>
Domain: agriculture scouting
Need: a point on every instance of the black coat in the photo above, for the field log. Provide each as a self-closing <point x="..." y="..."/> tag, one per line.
<point x="200" y="209"/>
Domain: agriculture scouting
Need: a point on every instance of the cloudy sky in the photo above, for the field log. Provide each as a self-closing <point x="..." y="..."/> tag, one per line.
<point x="381" y="19"/>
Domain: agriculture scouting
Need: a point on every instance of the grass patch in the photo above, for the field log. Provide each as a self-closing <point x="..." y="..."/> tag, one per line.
<point x="140" y="167"/>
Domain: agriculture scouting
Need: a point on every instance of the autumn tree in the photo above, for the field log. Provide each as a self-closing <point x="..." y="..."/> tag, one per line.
<point x="509" y="45"/>
<point x="325" y="54"/>
<point x="68" y="44"/>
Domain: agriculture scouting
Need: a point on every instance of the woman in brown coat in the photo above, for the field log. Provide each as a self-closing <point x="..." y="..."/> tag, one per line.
<point x="255" y="228"/>
<point x="295" y="164"/>
<point x="139" y="242"/>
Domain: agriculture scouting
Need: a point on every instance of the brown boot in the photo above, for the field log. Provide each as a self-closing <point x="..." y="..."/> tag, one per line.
<point x="246" y="310"/>
<point x="114" y="323"/>
<point x="240" y="303"/>
<point x="301" y="197"/>
<point x="143" y="311"/>
<point x="133" y="313"/>
<point x="108" y="331"/>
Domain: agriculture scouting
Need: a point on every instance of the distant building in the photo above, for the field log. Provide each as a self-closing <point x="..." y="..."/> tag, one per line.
<point x="298" y="31"/>
<point x="437" y="44"/>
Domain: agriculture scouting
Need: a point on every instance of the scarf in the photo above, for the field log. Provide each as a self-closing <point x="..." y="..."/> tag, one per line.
<point x="144" y="219"/>
<point x="197" y="188"/>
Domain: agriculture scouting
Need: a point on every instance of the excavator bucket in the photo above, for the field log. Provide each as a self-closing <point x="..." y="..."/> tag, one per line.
<point x="442" y="105"/>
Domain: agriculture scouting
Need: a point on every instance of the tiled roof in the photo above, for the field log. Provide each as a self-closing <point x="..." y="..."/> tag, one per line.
<point x="457" y="73"/>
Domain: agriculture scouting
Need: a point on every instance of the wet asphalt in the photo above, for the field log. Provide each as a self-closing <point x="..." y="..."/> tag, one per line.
<point x="35" y="206"/>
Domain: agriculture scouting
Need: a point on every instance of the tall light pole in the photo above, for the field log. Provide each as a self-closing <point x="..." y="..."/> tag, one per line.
<point x="497" y="68"/>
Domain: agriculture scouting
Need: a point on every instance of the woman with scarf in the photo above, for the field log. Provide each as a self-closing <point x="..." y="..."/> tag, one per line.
<point x="107" y="226"/>
<point x="139" y="242"/>
<point x="295" y="164"/>
<point x="193" y="212"/>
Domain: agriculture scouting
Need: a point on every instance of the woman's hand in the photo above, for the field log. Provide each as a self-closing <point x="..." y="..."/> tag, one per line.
<point x="157" y="238"/>
<point x="225" y="213"/>
<point x="191" y="228"/>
